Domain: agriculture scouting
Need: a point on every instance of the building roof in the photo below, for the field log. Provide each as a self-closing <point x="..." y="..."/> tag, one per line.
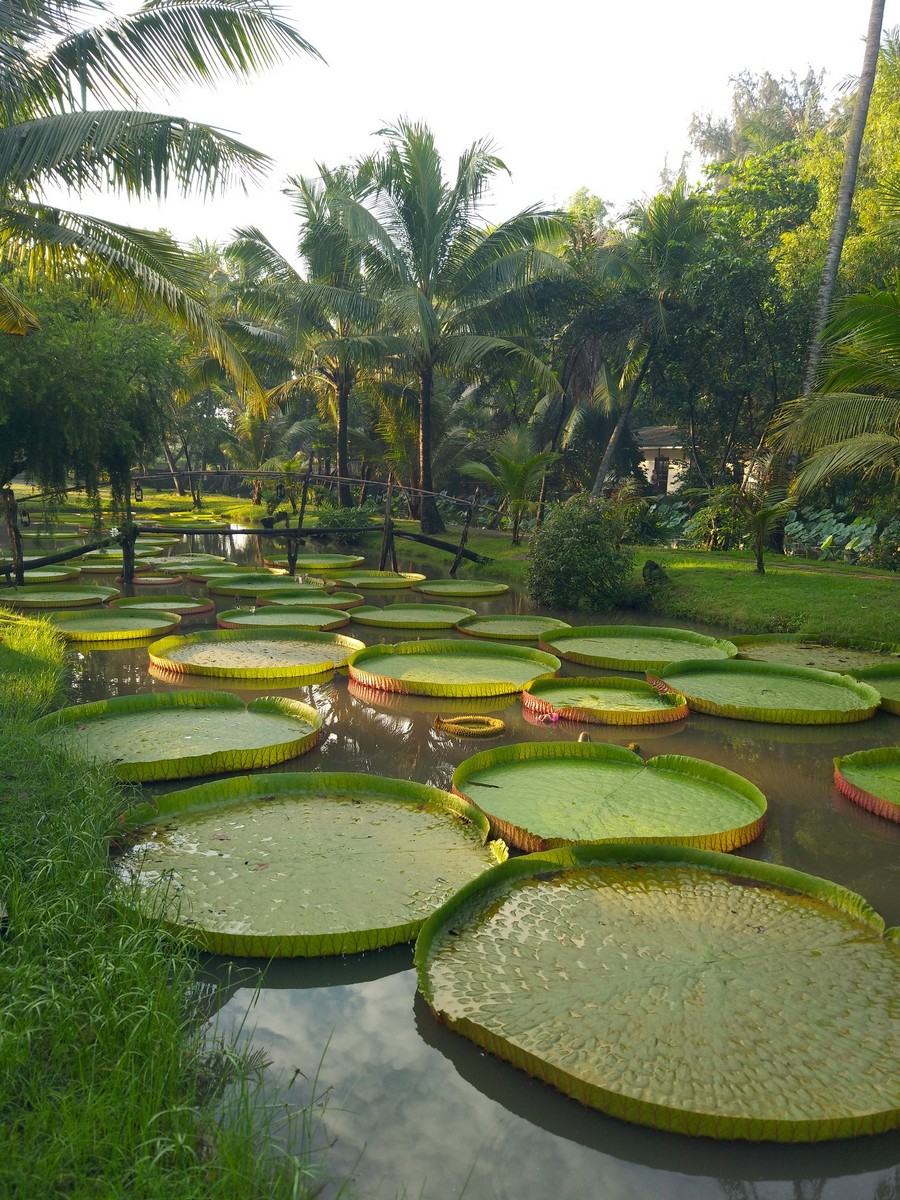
<point x="658" y="437"/>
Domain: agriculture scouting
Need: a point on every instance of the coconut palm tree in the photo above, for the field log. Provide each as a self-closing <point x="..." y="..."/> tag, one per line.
<point x="851" y="425"/>
<point x="71" y="75"/>
<point x="455" y="293"/>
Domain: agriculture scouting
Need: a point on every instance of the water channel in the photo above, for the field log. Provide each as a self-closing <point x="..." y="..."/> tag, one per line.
<point x="413" y="1110"/>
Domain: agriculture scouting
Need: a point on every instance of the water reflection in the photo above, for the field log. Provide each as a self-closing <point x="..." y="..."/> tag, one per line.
<point x="416" y="1109"/>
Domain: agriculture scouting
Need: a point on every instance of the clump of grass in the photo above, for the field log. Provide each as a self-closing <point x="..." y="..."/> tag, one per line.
<point x="109" y="1083"/>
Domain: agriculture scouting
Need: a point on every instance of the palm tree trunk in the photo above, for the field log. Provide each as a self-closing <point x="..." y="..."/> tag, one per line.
<point x="613" y="444"/>
<point x="429" y="517"/>
<point x="846" y="189"/>
<point x="345" y="496"/>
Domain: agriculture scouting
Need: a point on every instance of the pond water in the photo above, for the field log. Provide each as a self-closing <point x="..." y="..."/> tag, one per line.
<point x="407" y="1108"/>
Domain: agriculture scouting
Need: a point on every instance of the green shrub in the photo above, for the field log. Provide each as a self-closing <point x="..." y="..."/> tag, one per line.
<point x="345" y="520"/>
<point x="577" y="560"/>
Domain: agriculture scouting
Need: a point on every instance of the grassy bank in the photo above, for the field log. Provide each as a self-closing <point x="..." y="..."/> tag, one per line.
<point x="109" y="1086"/>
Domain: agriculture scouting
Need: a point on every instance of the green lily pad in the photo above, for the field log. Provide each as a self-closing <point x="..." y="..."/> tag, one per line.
<point x="314" y="596"/>
<point x="175" y="735"/>
<point x="634" y="647"/>
<point x="108" y="564"/>
<point x="886" y="681"/>
<point x="461" y="587"/>
<point x="49" y="535"/>
<point x="543" y="794"/>
<point x="184" y="606"/>
<point x="41" y="576"/>
<point x="375" y="580"/>
<point x="177" y="564"/>
<point x="154" y="579"/>
<point x="446" y="667"/>
<point x="286" y="865"/>
<point x="685" y="990"/>
<point x="444" y="706"/>
<point x="513" y="627"/>
<point x="412" y="616"/>
<point x="754" y="691"/>
<point x="283" y="616"/>
<point x="63" y="595"/>
<point x="112" y="625"/>
<point x="871" y="778"/>
<point x="806" y="652"/>
<point x="607" y="700"/>
<point x="251" y="585"/>
<point x="253" y="653"/>
<point x="321" y="562"/>
<point x="203" y="572"/>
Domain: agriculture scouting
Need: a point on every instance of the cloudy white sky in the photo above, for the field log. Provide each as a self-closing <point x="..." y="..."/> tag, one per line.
<point x="587" y="93"/>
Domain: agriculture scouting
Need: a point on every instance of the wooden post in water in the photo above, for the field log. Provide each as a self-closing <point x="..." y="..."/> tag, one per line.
<point x="464" y="536"/>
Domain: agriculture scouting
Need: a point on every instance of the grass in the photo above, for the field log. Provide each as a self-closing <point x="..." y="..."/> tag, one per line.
<point x="110" y="1085"/>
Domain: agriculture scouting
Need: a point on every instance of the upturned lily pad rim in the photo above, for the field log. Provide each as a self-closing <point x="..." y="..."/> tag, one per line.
<point x="185" y="766"/>
<point x="162" y="622"/>
<point x="496" y="883"/>
<point x="753" y="712"/>
<point x="243" y="618"/>
<point x="599" y="752"/>
<point x="613" y="662"/>
<point x="495" y="623"/>
<point x="537" y="697"/>
<point x="871" y="676"/>
<point x="442" y="616"/>
<point x="461" y="587"/>
<point x="363" y="666"/>
<point x="878" y="756"/>
<point x="309" y="562"/>
<point x="374" y="580"/>
<point x="160" y="651"/>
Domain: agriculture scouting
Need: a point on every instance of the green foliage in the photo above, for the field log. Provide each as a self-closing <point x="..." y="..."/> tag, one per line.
<point x="577" y="560"/>
<point x="345" y="520"/>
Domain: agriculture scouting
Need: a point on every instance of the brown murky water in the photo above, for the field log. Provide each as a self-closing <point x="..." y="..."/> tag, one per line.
<point x="413" y="1110"/>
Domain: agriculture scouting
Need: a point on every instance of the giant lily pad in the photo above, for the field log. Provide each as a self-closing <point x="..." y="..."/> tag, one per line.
<point x="174" y="735"/>
<point x="542" y="794"/>
<point x="184" y="606"/>
<point x="608" y="700"/>
<point x="634" y="647"/>
<point x="412" y="616"/>
<point x="284" y="865"/>
<point x="689" y="991"/>
<point x="375" y="580"/>
<point x="49" y="535"/>
<point x="444" y="667"/>
<point x="461" y="587"/>
<point x="203" y="572"/>
<point x="253" y="653"/>
<point x="176" y="564"/>
<point x="806" y="652"/>
<point x="321" y="562"/>
<point x="513" y="627"/>
<point x="63" y="595"/>
<point x="886" y="681"/>
<point x="41" y="576"/>
<point x="283" y="616"/>
<point x="317" y="597"/>
<point x="754" y="691"/>
<point x="871" y="778"/>
<point x="112" y="625"/>
<point x="153" y="579"/>
<point x="250" y="586"/>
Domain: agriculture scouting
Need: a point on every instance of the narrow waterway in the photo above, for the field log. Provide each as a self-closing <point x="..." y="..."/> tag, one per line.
<point x="403" y="1107"/>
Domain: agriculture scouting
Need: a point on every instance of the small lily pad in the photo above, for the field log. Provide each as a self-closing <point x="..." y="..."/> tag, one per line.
<point x="634" y="647"/>
<point x="607" y="700"/>
<point x="444" y="667"/>
<point x="871" y="778"/>
<point x="543" y="794"/>
<point x="283" y="616"/>
<point x="285" y="865"/>
<point x="253" y="653"/>
<point x="175" y="735"/>
<point x="412" y="616"/>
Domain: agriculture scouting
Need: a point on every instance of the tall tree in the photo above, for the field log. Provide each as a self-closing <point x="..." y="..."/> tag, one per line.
<point x="846" y="189"/>
<point x="455" y="292"/>
<point x="64" y="65"/>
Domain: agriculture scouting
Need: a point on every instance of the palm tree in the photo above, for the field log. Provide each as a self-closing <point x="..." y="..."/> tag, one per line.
<point x="518" y="471"/>
<point x="648" y="267"/>
<point x="315" y="317"/>
<point x="54" y="59"/>
<point x="851" y="425"/>
<point x="455" y="294"/>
